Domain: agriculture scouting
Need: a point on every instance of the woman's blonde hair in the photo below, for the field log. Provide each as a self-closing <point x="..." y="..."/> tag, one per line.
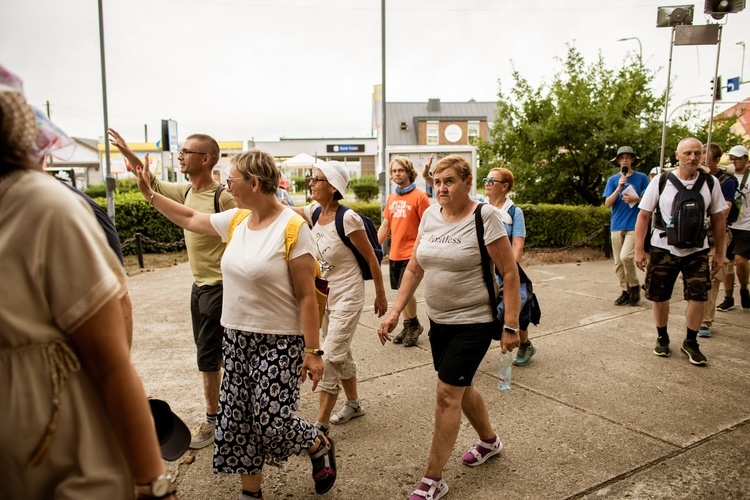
<point x="506" y="176"/>
<point x="261" y="165"/>
<point x="407" y="164"/>
<point x="456" y="162"/>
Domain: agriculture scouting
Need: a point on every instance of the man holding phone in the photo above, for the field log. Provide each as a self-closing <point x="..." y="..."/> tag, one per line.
<point x="622" y="193"/>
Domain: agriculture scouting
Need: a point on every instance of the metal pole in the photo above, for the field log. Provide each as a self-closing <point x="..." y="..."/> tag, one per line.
<point x="384" y="160"/>
<point x="640" y="47"/>
<point x="109" y="180"/>
<point x="666" y="103"/>
<point x="716" y="87"/>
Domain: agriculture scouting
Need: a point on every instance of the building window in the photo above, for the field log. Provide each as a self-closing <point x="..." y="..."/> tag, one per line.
<point x="472" y="130"/>
<point x="432" y="132"/>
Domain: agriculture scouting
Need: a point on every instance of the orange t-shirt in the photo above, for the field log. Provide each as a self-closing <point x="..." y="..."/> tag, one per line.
<point x="404" y="212"/>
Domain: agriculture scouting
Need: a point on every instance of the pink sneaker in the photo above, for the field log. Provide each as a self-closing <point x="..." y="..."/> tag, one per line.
<point x="435" y="490"/>
<point x="480" y="452"/>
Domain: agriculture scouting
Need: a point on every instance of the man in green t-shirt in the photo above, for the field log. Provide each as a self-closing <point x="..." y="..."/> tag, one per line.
<point x="197" y="158"/>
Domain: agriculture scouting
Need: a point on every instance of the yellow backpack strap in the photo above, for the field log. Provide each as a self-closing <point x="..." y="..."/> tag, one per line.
<point x="292" y="233"/>
<point x="237" y="218"/>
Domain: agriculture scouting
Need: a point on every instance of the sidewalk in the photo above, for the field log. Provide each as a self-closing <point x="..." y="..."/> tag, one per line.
<point x="595" y="415"/>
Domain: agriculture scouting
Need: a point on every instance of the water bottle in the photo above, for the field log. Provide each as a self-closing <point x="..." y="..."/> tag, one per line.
<point x="504" y="367"/>
<point x="669" y="223"/>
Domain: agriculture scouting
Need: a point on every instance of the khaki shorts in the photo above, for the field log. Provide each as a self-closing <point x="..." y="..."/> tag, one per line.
<point x="338" y="331"/>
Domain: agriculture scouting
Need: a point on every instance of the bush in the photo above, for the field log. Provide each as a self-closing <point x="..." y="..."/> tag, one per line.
<point x="133" y="214"/>
<point x="299" y="184"/>
<point x="370" y="209"/>
<point x="563" y="225"/>
<point x="96" y="190"/>
<point x="365" y="188"/>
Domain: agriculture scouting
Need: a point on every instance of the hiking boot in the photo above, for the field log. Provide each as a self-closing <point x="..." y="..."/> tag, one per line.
<point x="694" y="354"/>
<point x="412" y="337"/>
<point x="745" y="298"/>
<point x="347" y="412"/>
<point x="704" y="331"/>
<point x="202" y="435"/>
<point x="399" y="338"/>
<point x="524" y="354"/>
<point x="727" y="305"/>
<point x="635" y="295"/>
<point x="623" y="299"/>
<point x="662" y="347"/>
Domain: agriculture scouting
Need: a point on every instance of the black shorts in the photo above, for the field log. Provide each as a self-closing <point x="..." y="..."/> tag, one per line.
<point x="458" y="350"/>
<point x="663" y="269"/>
<point x="397" y="268"/>
<point x="205" y="310"/>
<point x="741" y="243"/>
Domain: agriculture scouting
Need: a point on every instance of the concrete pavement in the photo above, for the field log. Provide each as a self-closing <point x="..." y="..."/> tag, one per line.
<point x="595" y="415"/>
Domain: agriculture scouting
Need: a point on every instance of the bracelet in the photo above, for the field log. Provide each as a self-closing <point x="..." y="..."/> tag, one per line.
<point x="151" y="200"/>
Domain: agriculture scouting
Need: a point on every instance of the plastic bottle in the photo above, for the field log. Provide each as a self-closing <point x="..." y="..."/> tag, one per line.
<point x="505" y="365"/>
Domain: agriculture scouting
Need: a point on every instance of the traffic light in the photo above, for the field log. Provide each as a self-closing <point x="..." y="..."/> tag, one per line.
<point x="716" y="88"/>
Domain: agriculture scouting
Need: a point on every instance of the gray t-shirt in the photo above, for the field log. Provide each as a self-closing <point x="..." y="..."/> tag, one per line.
<point x="454" y="288"/>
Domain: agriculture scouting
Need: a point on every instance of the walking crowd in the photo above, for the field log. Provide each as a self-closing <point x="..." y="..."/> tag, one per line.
<point x="257" y="326"/>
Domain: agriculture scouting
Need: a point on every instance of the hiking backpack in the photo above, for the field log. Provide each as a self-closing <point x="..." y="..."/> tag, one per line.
<point x="687" y="226"/>
<point x="739" y="196"/>
<point x="370" y="230"/>
<point x="734" y="209"/>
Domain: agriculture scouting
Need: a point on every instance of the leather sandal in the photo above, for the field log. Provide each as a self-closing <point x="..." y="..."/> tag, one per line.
<point x="324" y="465"/>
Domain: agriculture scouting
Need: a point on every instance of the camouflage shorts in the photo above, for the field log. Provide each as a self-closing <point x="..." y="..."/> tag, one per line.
<point x="663" y="269"/>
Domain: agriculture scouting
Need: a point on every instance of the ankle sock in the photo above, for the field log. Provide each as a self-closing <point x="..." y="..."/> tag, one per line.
<point x="692" y="335"/>
<point x="354" y="403"/>
<point x="729" y="294"/>
<point x="425" y="487"/>
<point x="662" y="332"/>
<point x="248" y="495"/>
<point x="211" y="419"/>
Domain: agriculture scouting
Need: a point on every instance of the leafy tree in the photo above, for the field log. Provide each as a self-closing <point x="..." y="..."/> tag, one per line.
<point x="558" y="138"/>
<point x="722" y="133"/>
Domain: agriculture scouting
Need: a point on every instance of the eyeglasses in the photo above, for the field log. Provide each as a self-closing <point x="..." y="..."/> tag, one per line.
<point x="315" y="180"/>
<point x="184" y="152"/>
<point x="491" y="181"/>
<point x="230" y="181"/>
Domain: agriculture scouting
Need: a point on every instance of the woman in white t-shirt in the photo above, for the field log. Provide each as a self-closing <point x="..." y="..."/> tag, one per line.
<point x="447" y="257"/>
<point x="270" y="313"/>
<point x="347" y="296"/>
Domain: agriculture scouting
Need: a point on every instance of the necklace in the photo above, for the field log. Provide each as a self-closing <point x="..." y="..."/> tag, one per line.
<point x="325" y="218"/>
<point x="269" y="219"/>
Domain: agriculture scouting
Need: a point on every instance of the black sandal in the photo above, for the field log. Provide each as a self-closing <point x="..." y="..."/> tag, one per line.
<point x="324" y="465"/>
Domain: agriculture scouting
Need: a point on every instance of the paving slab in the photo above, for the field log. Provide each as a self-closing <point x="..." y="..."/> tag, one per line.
<point x="595" y="415"/>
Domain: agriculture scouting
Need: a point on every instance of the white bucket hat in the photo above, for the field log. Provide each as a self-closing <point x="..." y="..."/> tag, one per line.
<point x="336" y="173"/>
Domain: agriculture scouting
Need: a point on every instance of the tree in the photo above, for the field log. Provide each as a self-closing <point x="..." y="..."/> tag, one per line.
<point x="558" y="138"/>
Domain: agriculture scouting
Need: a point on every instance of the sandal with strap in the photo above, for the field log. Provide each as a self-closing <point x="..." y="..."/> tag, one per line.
<point x="480" y="452"/>
<point x="324" y="465"/>
<point x="435" y="490"/>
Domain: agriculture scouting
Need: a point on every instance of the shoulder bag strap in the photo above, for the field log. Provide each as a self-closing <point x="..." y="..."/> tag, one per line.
<point x="485" y="257"/>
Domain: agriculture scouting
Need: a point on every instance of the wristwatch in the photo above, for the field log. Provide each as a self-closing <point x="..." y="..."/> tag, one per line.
<point x="510" y="330"/>
<point x="158" y="488"/>
<point x="317" y="352"/>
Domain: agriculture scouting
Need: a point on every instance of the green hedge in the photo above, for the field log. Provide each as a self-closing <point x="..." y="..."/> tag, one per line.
<point x="133" y="214"/>
<point x="563" y="225"/>
<point x="546" y="225"/>
<point x="365" y="188"/>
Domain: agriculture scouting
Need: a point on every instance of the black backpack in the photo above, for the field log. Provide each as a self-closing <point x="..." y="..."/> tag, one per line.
<point x="372" y="236"/>
<point x="734" y="209"/>
<point x="739" y="196"/>
<point x="217" y="196"/>
<point x="688" y="227"/>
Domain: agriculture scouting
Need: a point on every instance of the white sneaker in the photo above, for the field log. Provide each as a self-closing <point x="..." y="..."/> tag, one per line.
<point x="346" y="413"/>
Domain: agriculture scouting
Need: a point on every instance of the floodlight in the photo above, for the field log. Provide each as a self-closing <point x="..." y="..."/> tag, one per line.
<point x="675" y="15"/>
<point x="719" y="8"/>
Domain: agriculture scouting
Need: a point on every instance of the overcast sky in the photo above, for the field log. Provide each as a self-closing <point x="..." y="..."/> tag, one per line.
<point x="264" y="69"/>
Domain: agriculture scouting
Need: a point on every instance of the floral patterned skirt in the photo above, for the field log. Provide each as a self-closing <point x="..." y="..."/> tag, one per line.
<point x="259" y="395"/>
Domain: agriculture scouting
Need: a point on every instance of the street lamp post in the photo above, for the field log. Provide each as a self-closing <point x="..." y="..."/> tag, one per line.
<point x="742" y="66"/>
<point x="640" y="47"/>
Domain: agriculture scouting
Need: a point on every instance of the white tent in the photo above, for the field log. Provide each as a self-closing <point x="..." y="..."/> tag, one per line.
<point x="299" y="165"/>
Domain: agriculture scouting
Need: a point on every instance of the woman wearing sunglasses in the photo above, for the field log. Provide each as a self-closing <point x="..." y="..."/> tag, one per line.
<point x="497" y="187"/>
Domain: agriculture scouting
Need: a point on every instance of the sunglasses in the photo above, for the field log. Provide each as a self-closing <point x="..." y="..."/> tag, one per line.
<point x="315" y="180"/>
<point x="491" y="181"/>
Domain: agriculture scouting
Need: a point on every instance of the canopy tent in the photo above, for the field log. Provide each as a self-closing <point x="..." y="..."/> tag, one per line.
<point x="299" y="164"/>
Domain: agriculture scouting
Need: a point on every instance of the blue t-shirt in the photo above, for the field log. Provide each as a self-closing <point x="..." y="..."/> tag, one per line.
<point x="518" y="228"/>
<point x="624" y="217"/>
<point x="728" y="188"/>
